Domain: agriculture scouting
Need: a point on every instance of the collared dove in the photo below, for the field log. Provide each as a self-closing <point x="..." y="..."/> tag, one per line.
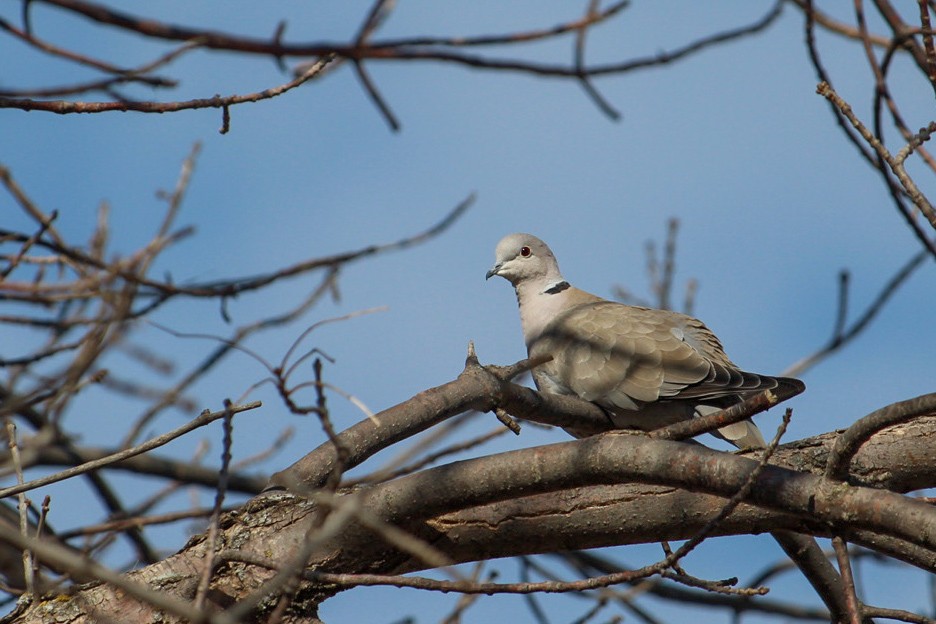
<point x="646" y="368"/>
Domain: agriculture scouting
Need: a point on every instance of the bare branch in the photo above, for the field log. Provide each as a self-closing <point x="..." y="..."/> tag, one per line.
<point x="847" y="444"/>
<point x="203" y="419"/>
<point x="848" y="582"/>
<point x="842" y="335"/>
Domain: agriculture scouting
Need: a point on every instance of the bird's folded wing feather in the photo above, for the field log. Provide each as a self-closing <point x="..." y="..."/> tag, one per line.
<point x="622" y="356"/>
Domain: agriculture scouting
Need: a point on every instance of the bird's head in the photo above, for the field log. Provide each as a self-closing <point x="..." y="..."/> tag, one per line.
<point x="522" y="257"/>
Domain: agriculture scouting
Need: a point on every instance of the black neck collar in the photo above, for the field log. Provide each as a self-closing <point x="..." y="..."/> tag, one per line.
<point x="557" y="288"/>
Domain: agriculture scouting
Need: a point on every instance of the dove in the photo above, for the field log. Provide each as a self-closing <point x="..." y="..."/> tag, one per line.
<point x="646" y="368"/>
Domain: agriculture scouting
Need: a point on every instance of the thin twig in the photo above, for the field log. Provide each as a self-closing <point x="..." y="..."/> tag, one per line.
<point x="22" y="507"/>
<point x="214" y="524"/>
<point x="750" y="406"/>
<point x="848" y="582"/>
<point x="927" y="34"/>
<point x="375" y="96"/>
<point x="203" y="419"/>
<point x="896" y="166"/>
<point x="64" y="107"/>
<point x="25" y="247"/>
<point x="848" y="443"/>
<point x="603" y="105"/>
<point x="841" y="335"/>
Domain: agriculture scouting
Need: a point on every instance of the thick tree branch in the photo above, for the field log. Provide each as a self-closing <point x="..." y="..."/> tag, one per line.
<point x="574" y="495"/>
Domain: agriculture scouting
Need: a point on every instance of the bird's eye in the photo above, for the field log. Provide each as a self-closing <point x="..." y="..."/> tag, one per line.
<point x="525" y="252"/>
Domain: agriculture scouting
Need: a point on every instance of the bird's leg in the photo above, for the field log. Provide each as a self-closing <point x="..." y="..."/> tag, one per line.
<point x="608" y="415"/>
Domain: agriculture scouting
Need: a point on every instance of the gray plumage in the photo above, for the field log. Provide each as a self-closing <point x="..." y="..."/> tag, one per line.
<point x="647" y="368"/>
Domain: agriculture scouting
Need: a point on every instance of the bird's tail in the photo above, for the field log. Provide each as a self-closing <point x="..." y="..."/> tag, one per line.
<point x="744" y="435"/>
<point x="789" y="387"/>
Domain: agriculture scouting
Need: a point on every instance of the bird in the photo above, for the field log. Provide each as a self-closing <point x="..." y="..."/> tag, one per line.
<point x="646" y="368"/>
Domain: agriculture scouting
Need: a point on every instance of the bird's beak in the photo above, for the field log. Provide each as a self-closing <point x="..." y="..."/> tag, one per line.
<point x="493" y="271"/>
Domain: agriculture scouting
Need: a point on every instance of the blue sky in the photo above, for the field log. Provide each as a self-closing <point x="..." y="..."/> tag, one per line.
<point x="733" y="142"/>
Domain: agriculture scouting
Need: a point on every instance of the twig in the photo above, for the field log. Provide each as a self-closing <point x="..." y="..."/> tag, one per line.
<point x="411" y="49"/>
<point x="148" y="464"/>
<point x="841" y="335"/>
<point x="25" y="247"/>
<point x="750" y="406"/>
<point x="841" y="28"/>
<point x="736" y="499"/>
<point x="466" y="600"/>
<point x="377" y="15"/>
<point x="848" y="443"/>
<point x="375" y="18"/>
<point x="79" y="566"/>
<point x="579" y="585"/>
<point x="340" y="511"/>
<point x="162" y="292"/>
<point x="508" y="373"/>
<point x="201" y="593"/>
<point x="883" y="95"/>
<point x="405" y="462"/>
<point x="203" y="419"/>
<point x="896" y="614"/>
<point x="927" y="33"/>
<point x="286" y="368"/>
<point x="669" y="264"/>
<point x="508" y="422"/>
<point x="588" y="562"/>
<point x="592" y="613"/>
<point x="341" y="451"/>
<point x="806" y="555"/>
<point x="660" y="273"/>
<point x="813" y="16"/>
<point x="375" y="96"/>
<point x="848" y="582"/>
<point x="896" y="165"/>
<point x="65" y="107"/>
<point x="216" y="356"/>
<point x="539" y="614"/>
<point x="323" y="528"/>
<point x="81" y="59"/>
<point x="22" y="507"/>
<point x="28" y="206"/>
<point x="138" y="521"/>
<point x="603" y="105"/>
